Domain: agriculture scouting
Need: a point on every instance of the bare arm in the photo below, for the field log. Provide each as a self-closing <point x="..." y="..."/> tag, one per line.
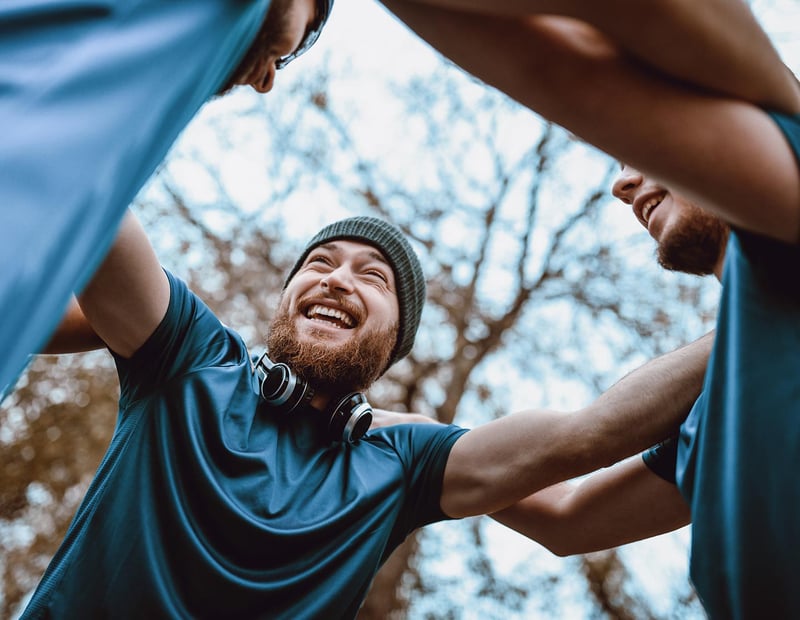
<point x="74" y="334"/>
<point x="129" y="294"/>
<point x="613" y="507"/>
<point x="738" y="59"/>
<point x="499" y="463"/>
<point x="606" y="83"/>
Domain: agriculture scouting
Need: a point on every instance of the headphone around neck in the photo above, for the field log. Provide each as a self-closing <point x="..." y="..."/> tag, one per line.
<point x="348" y="419"/>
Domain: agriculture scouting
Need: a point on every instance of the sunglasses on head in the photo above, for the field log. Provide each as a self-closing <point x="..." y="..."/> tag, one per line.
<point x="312" y="34"/>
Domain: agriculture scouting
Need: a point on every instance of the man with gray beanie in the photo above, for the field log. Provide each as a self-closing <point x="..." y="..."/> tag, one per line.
<point x="245" y="486"/>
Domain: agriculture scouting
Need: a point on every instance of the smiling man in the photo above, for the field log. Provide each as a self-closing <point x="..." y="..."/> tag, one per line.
<point x="242" y="486"/>
<point x="92" y="96"/>
<point x="688" y="238"/>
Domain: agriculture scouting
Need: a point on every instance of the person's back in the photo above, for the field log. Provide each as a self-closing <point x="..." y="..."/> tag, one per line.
<point x="738" y="452"/>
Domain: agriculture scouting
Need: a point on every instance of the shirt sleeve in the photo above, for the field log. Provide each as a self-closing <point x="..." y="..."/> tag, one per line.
<point x="189" y="337"/>
<point x="423" y="450"/>
<point x="662" y="459"/>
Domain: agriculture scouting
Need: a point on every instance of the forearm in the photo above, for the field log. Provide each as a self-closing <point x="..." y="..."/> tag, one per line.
<point x="650" y="403"/>
<point x="610" y="508"/>
<point x="74" y="334"/>
<point x="497" y="464"/>
<point x="580" y="78"/>
<point x="736" y="56"/>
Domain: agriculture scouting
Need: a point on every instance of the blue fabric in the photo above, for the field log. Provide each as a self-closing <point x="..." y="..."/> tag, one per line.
<point x="92" y="95"/>
<point x="661" y="459"/>
<point x="210" y="505"/>
<point x="739" y="453"/>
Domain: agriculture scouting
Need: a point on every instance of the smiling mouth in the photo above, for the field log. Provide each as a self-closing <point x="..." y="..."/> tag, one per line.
<point x="648" y="207"/>
<point x="330" y="316"/>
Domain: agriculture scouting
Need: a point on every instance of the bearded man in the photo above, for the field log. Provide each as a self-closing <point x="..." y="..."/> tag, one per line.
<point x="241" y="488"/>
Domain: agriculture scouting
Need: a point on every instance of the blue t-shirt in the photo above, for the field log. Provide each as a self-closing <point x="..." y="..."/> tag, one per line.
<point x="738" y="453"/>
<point x="209" y="504"/>
<point x="92" y="95"/>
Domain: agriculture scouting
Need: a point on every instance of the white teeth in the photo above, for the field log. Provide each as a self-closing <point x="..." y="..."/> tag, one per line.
<point x="318" y="309"/>
<point x="649" y="206"/>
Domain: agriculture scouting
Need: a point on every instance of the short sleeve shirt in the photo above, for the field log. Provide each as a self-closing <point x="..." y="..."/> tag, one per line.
<point x="738" y="453"/>
<point x="92" y="95"/>
<point x="209" y="504"/>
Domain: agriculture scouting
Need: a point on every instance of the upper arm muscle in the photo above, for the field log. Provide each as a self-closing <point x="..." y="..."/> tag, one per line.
<point x="129" y="294"/>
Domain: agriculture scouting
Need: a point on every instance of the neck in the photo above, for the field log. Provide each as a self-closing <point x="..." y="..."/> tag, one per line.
<point x="320" y="401"/>
<point x="718" y="267"/>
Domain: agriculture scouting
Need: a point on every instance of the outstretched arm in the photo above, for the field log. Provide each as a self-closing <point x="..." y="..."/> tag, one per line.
<point x="129" y="294"/>
<point x="499" y="463"/>
<point x="667" y="86"/>
<point x="613" y="507"/>
<point x="736" y="56"/>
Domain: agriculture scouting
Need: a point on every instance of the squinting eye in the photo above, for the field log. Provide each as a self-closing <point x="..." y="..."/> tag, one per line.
<point x="378" y="274"/>
<point x="318" y="260"/>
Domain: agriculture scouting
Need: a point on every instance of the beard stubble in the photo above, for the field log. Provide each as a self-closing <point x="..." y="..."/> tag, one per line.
<point x="694" y="244"/>
<point x="335" y="368"/>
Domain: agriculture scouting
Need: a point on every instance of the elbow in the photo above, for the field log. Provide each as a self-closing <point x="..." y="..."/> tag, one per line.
<point x="557" y="543"/>
<point x="562" y="548"/>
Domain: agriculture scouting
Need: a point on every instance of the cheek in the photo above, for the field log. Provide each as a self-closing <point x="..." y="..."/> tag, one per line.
<point x="384" y="310"/>
<point x="392" y="316"/>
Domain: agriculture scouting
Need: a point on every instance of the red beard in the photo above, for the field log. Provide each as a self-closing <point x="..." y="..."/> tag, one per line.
<point x="334" y="368"/>
<point x="694" y="244"/>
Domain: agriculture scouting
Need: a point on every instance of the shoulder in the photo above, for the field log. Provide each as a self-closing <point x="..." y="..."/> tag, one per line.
<point x="417" y="440"/>
<point x="190" y="337"/>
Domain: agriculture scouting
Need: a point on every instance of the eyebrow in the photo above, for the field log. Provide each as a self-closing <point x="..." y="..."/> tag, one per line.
<point x="371" y="252"/>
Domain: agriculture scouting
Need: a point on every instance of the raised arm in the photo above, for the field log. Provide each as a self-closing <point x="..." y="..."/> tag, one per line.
<point x="499" y="463"/>
<point x="128" y="295"/>
<point x="738" y="59"/>
<point x="604" y="77"/>
<point x="612" y="507"/>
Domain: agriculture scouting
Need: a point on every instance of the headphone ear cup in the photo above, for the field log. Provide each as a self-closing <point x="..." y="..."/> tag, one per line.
<point x="281" y="387"/>
<point x="350" y="419"/>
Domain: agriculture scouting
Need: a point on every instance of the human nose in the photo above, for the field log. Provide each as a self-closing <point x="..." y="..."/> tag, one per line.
<point x="627" y="183"/>
<point x="264" y="82"/>
<point x="340" y="280"/>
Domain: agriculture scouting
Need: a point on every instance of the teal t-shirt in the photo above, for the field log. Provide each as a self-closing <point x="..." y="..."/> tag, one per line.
<point x="739" y="450"/>
<point x="92" y="95"/>
<point x="209" y="504"/>
<point x="737" y="457"/>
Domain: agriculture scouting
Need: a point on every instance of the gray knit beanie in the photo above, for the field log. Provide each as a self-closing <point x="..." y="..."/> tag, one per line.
<point x="401" y="256"/>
